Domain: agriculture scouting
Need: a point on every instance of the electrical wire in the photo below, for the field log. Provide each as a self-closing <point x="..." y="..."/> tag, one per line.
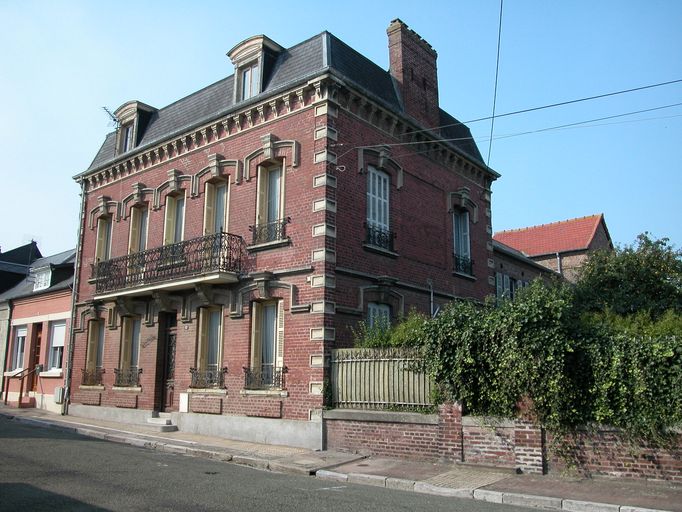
<point x="497" y="72"/>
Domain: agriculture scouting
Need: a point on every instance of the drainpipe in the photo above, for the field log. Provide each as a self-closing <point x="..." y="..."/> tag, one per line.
<point x="429" y="281"/>
<point x="74" y="300"/>
<point x="558" y="263"/>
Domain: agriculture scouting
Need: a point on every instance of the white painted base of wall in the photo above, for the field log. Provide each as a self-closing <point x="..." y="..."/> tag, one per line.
<point x="45" y="402"/>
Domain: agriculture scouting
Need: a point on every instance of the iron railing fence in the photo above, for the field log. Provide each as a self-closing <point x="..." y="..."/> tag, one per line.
<point x="379" y="379"/>
<point x="127" y="377"/>
<point x="264" y="377"/>
<point x="92" y="377"/>
<point x="219" y="252"/>
<point x="208" y="377"/>
<point x="463" y="265"/>
<point x="270" y="231"/>
<point x="379" y="237"/>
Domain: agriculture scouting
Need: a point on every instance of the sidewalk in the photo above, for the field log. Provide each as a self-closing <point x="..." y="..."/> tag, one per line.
<point x="488" y="484"/>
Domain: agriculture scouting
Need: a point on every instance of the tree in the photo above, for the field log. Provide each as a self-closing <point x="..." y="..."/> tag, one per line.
<point x="644" y="277"/>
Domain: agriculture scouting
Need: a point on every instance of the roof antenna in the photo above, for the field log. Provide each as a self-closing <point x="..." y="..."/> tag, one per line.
<point x="114" y="121"/>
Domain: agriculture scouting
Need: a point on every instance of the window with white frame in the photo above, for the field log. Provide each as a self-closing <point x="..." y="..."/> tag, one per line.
<point x="126" y="137"/>
<point x="56" y="351"/>
<point x="267" y="345"/>
<point x="378" y="212"/>
<point x="41" y="279"/>
<point x="18" y="347"/>
<point x="462" y="242"/>
<point x="130" y="343"/>
<point x="215" y="208"/>
<point x="250" y="81"/>
<point x="378" y="315"/>
<point x="175" y="219"/>
<point x="137" y="241"/>
<point x="270" y="209"/>
<point x="103" y="245"/>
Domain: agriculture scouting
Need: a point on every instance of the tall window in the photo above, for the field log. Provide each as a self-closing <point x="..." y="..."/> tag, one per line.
<point x="460" y="224"/>
<point x="250" y="81"/>
<point x="95" y="349"/>
<point x="18" y="347"/>
<point x="210" y="327"/>
<point x="269" y="221"/>
<point x="130" y="343"/>
<point x="215" y="208"/>
<point x="267" y="345"/>
<point x="175" y="219"/>
<point x="378" y="223"/>
<point x="57" y="337"/>
<point x="378" y="314"/>
<point x="103" y="247"/>
<point x="138" y="229"/>
<point x="126" y="137"/>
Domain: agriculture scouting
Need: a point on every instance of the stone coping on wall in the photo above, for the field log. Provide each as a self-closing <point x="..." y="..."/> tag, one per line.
<point x="487" y="421"/>
<point x="380" y="416"/>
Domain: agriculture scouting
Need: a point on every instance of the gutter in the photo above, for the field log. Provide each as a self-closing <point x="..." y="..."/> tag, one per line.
<point x="74" y="298"/>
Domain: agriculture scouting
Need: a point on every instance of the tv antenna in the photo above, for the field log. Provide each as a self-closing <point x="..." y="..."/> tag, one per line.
<point x="113" y="119"/>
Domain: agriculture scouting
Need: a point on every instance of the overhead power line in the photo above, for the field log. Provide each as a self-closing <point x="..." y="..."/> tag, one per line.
<point x="497" y="72"/>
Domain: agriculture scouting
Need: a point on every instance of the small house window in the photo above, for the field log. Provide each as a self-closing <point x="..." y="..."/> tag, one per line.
<point x="250" y="81"/>
<point x="42" y="279"/>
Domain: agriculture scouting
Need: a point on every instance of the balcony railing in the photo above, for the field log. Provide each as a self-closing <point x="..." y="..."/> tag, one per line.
<point x="220" y="252"/>
<point x="127" y="377"/>
<point x="92" y="377"/>
<point x="264" y="377"/>
<point x="379" y="237"/>
<point x="207" y="377"/>
<point x="269" y="232"/>
<point x="463" y="265"/>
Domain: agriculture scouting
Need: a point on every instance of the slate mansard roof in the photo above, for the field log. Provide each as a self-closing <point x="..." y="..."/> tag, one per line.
<point x="320" y="54"/>
<point x="62" y="267"/>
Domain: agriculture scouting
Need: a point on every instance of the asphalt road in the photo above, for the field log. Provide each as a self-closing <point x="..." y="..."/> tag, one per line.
<point x="46" y="469"/>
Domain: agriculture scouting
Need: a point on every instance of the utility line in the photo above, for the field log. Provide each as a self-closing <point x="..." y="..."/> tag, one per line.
<point x="497" y="71"/>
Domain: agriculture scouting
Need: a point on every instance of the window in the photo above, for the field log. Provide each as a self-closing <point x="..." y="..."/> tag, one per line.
<point x="18" y="348"/>
<point x="42" y="279"/>
<point x="270" y="209"/>
<point x="215" y="208"/>
<point x="130" y="344"/>
<point x="103" y="247"/>
<point x="138" y="229"/>
<point x="378" y="314"/>
<point x="95" y="349"/>
<point x="507" y="287"/>
<point x="210" y="327"/>
<point x="126" y="137"/>
<point x="378" y="223"/>
<point x="175" y="219"/>
<point x="460" y="224"/>
<point x="250" y="81"/>
<point x="267" y="345"/>
<point x="57" y="337"/>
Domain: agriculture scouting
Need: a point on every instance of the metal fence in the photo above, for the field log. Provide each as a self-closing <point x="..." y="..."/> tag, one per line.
<point x="378" y="379"/>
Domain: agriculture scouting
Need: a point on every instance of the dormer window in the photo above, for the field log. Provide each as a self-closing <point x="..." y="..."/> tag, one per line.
<point x="250" y="81"/>
<point x="133" y="118"/>
<point x="42" y="278"/>
<point x="126" y="137"/>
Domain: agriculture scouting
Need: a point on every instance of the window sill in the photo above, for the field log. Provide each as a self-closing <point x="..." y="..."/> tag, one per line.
<point x="129" y="389"/>
<point x="208" y="391"/>
<point x="55" y="372"/>
<point x="12" y="373"/>
<point x="465" y="276"/>
<point x="379" y="250"/>
<point x="269" y="245"/>
<point x="91" y="388"/>
<point x="274" y="393"/>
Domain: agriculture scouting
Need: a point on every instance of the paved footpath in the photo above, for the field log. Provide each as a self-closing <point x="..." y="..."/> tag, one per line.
<point x="458" y="480"/>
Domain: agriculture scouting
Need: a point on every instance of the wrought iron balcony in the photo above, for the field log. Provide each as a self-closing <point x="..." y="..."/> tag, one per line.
<point x="264" y="377"/>
<point x="220" y="252"/>
<point x="208" y="377"/>
<point x="379" y="237"/>
<point x="92" y="377"/>
<point x="127" y="377"/>
<point x="463" y="265"/>
<point x="270" y="232"/>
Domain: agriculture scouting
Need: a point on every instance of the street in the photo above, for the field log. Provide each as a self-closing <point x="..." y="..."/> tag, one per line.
<point x="47" y="469"/>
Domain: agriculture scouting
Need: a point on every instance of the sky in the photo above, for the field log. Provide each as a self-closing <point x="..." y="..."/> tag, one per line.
<point x="61" y="62"/>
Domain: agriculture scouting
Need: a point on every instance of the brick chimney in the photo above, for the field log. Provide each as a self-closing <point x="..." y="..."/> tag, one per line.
<point x="413" y="67"/>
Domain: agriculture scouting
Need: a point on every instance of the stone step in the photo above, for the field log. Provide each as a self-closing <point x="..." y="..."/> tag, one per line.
<point x="159" y="421"/>
<point x="162" y="422"/>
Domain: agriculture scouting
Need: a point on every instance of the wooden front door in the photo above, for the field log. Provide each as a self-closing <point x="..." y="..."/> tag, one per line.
<point x="167" y="338"/>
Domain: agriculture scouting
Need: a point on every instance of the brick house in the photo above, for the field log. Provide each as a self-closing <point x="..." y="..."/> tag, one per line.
<point x="231" y="238"/>
<point x="515" y="270"/>
<point x="560" y="246"/>
<point x="35" y="321"/>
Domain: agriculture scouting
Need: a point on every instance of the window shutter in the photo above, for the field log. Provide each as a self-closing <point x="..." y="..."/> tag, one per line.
<point x="126" y="342"/>
<point x="209" y="209"/>
<point x="102" y="229"/>
<point x="262" y="199"/>
<point x="499" y="285"/>
<point x="169" y="232"/>
<point x="202" y="345"/>
<point x="93" y="338"/>
<point x="279" y="354"/>
<point x="134" y="240"/>
<point x="256" y="335"/>
<point x="506" y="285"/>
<point x="466" y="248"/>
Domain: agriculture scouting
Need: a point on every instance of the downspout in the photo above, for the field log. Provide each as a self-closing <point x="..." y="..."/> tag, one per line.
<point x="430" y="283"/>
<point x="558" y="263"/>
<point x="74" y="301"/>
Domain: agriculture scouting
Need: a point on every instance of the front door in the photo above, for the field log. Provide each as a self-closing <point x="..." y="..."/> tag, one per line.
<point x="167" y="338"/>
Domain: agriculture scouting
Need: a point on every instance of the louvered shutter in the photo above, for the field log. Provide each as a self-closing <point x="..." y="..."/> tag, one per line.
<point x="202" y="345"/>
<point x="169" y="231"/>
<point x="126" y="342"/>
<point x="256" y="335"/>
<point x="209" y="209"/>
<point x="279" y="344"/>
<point x="93" y="339"/>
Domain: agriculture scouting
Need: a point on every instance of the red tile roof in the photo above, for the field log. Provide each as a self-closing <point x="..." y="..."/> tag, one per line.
<point x="563" y="236"/>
